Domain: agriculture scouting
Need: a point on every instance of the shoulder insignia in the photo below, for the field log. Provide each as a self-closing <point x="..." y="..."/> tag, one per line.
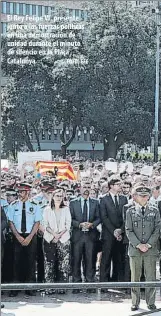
<point x="14" y="202"/>
<point x="43" y="206"/>
<point x="154" y="207"/>
<point x="131" y="208"/>
<point x="32" y="202"/>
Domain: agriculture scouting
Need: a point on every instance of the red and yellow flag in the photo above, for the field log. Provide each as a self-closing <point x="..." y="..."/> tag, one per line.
<point x="65" y="170"/>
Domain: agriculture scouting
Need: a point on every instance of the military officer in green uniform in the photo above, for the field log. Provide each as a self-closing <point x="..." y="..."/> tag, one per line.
<point x="142" y="229"/>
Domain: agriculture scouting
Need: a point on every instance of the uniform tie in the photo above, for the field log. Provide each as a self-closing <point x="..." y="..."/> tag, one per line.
<point x="143" y="210"/>
<point x="85" y="209"/>
<point x="23" y="220"/>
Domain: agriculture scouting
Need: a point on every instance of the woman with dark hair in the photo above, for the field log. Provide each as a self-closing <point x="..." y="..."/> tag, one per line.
<point x="57" y="224"/>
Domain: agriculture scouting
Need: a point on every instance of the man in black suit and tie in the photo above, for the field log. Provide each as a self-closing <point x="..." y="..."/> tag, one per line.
<point x="111" y="210"/>
<point x="85" y="219"/>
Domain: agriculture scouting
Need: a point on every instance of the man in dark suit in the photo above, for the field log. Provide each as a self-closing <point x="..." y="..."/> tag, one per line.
<point x="111" y="210"/>
<point x="85" y="219"/>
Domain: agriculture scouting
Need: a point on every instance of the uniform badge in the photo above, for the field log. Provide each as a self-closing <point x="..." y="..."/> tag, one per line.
<point x="16" y="210"/>
<point x="31" y="209"/>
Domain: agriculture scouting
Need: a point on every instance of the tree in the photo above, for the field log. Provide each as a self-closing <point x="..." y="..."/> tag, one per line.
<point x="121" y="44"/>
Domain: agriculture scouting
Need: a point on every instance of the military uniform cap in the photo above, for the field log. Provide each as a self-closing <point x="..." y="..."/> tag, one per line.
<point x="142" y="190"/>
<point x="23" y="187"/>
<point x="11" y="191"/>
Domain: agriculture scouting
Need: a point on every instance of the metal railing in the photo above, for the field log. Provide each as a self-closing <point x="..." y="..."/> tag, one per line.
<point x="72" y="286"/>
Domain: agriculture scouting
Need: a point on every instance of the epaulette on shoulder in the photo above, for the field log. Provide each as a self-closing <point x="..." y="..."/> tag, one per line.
<point x="14" y="202"/>
<point x="131" y="207"/>
<point x="43" y="206"/>
<point x="154" y="207"/>
<point x="34" y="203"/>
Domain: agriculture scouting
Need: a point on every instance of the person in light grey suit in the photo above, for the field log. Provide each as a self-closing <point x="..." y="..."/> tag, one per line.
<point x="85" y="218"/>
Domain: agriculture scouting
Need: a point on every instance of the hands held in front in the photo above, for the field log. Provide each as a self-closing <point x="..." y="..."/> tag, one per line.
<point x="86" y="225"/>
<point x="143" y="247"/>
<point x="117" y="234"/>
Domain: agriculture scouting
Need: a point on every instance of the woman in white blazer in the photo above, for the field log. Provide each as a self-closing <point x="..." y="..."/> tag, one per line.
<point x="57" y="225"/>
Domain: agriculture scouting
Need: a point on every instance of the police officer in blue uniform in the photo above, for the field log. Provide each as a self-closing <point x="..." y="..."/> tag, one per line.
<point x="24" y="220"/>
<point x="7" y="269"/>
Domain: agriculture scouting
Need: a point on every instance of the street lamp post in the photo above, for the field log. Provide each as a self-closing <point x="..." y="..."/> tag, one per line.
<point x="93" y="147"/>
<point x="157" y="87"/>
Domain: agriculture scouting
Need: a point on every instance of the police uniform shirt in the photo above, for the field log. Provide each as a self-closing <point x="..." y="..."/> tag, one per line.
<point x="33" y="215"/>
<point x="5" y="205"/>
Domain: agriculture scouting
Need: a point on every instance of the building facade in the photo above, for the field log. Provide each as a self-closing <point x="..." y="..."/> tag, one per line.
<point x="39" y="8"/>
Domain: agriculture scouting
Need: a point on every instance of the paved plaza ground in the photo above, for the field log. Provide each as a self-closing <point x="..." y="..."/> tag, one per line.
<point x="111" y="304"/>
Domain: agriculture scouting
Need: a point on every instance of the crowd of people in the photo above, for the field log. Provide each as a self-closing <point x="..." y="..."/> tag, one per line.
<point x="103" y="226"/>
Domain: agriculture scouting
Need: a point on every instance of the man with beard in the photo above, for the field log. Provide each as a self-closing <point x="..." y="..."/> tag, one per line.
<point x="85" y="219"/>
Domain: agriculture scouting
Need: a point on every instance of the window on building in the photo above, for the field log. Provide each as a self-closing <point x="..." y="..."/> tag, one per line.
<point x="43" y="135"/>
<point x="27" y="9"/>
<point x="46" y="10"/>
<point x="3" y="27"/>
<point x="21" y="8"/>
<point x="67" y="136"/>
<point x="82" y="14"/>
<point x="8" y="8"/>
<point x="31" y="135"/>
<point x="70" y="12"/>
<point x="55" y="135"/>
<point x="39" y="10"/>
<point x="85" y="137"/>
<point x="24" y="9"/>
<point x="3" y="7"/>
<point x="15" y="8"/>
<point x="49" y="134"/>
<point x="11" y="7"/>
<point x="77" y="13"/>
<point x="73" y="14"/>
<point x="33" y="9"/>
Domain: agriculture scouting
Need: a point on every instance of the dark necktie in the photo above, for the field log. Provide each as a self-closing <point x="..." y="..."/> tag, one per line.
<point x="23" y="220"/>
<point x="143" y="210"/>
<point x="85" y="210"/>
<point x="117" y="204"/>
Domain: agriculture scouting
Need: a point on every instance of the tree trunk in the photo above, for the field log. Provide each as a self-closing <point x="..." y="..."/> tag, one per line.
<point x="27" y="138"/>
<point x="111" y="145"/>
<point x="110" y="150"/>
<point x="64" y="151"/>
<point x="37" y="137"/>
<point x="65" y="145"/>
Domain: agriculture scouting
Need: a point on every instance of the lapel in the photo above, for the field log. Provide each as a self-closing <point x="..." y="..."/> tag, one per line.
<point x="147" y="210"/>
<point x="80" y="208"/>
<point x="91" y="209"/>
<point x="111" y="201"/>
<point x="138" y="210"/>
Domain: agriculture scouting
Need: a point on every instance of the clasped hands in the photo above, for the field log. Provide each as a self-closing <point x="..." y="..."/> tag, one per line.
<point x="86" y="225"/>
<point x="143" y="247"/>
<point x="24" y="241"/>
<point x="57" y="236"/>
<point x="117" y="234"/>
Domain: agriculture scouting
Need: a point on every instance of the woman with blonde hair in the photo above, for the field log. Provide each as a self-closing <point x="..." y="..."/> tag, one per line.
<point x="57" y="224"/>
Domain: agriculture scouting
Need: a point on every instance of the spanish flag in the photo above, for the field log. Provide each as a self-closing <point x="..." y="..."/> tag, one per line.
<point x="65" y="170"/>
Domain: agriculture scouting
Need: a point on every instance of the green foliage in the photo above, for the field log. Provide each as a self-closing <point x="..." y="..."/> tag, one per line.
<point x="114" y="92"/>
